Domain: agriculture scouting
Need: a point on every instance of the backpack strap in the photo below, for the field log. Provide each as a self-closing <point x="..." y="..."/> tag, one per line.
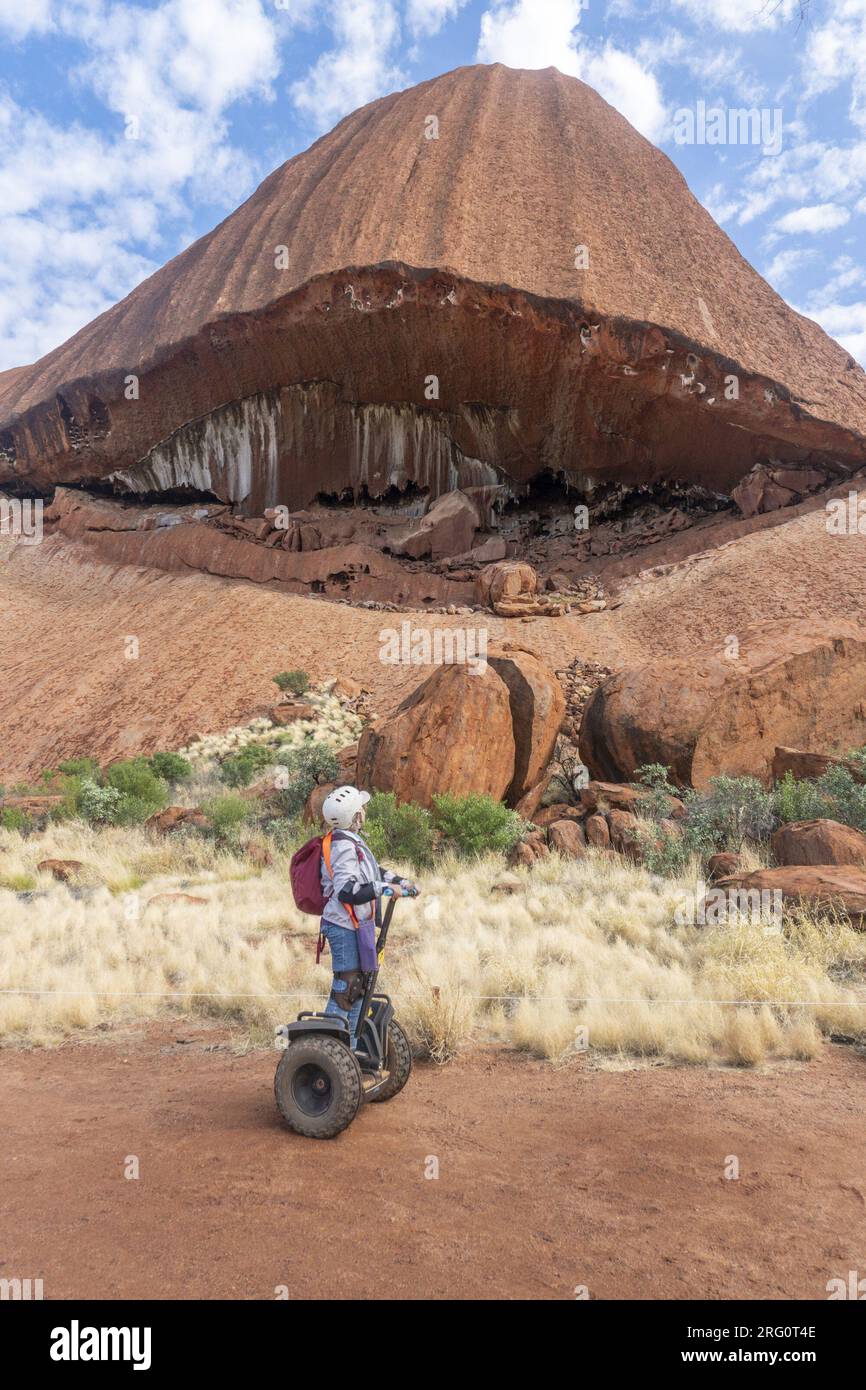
<point x="326" y="854"/>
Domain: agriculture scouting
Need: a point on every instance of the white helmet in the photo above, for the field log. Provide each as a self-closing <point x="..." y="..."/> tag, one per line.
<point x="342" y="805"/>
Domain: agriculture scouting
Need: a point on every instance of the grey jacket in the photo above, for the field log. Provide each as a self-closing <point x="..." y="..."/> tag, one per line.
<point x="353" y="866"/>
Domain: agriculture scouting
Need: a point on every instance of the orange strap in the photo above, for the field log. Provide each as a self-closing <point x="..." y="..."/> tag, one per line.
<point x="326" y="852"/>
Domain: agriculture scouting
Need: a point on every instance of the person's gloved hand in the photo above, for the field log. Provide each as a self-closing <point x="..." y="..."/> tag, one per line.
<point x="411" y="889"/>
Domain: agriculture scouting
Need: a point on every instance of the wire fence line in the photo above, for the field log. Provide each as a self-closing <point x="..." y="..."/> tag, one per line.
<point x="489" y="998"/>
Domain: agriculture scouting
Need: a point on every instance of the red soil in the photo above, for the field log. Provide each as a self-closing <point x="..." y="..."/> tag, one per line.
<point x="628" y="1199"/>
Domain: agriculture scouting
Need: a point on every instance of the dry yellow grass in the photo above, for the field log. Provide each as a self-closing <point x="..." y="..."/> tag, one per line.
<point x="578" y="953"/>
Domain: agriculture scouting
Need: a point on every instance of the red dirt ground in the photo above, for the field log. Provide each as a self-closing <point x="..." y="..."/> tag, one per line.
<point x="549" y="1179"/>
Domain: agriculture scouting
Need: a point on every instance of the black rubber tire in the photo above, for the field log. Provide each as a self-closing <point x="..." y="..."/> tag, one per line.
<point x="399" y="1063"/>
<point x="318" y="1062"/>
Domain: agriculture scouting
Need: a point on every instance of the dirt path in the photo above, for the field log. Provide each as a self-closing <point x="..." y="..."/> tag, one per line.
<point x="547" y="1179"/>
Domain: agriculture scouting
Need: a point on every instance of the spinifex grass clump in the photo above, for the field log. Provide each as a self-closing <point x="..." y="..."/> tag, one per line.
<point x="573" y="952"/>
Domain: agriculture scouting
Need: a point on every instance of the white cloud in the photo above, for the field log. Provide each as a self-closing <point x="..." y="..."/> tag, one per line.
<point x="543" y="33"/>
<point x="836" y="53"/>
<point x="823" y="217"/>
<point x="740" y="16"/>
<point x="426" y="17"/>
<point x="846" y="323"/>
<point x="359" y="69"/>
<point x="19" y="18"/>
<point x="84" y="212"/>
<point x="783" y="265"/>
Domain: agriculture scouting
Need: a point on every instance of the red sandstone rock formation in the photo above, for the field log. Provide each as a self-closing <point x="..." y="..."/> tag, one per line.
<point x="817" y="886"/>
<point x="819" y="842"/>
<point x="289" y="352"/>
<point x="705" y="715"/>
<point x="465" y="731"/>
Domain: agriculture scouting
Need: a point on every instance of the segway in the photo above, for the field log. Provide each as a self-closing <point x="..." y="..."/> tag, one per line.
<point x="321" y="1082"/>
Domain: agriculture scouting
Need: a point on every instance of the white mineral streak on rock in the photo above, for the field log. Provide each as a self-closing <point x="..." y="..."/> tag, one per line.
<point x="245" y="447"/>
<point x="219" y="453"/>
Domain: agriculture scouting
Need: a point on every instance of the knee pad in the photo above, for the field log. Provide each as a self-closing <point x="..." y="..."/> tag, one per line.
<point x="347" y="988"/>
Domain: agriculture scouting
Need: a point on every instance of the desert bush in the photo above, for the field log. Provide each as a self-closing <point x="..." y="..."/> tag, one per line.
<point x="654" y="804"/>
<point x="794" y="799"/>
<point x="731" y="811"/>
<point x="142" y="792"/>
<point x="304" y="768"/>
<point x="663" y="851"/>
<point x="845" y="797"/>
<point x="296" y="682"/>
<point x="98" y="805"/>
<point x="171" y="767"/>
<point x="12" y="819"/>
<point x="81" y="767"/>
<point x="399" y="833"/>
<point x="227" y="814"/>
<point x="475" y="824"/>
<point x="858" y="756"/>
<point x="239" y="769"/>
<point x="286" y="833"/>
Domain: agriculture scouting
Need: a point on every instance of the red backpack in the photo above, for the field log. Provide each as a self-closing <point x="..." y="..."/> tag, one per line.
<point x="306" y="875"/>
<point x="305" y="871"/>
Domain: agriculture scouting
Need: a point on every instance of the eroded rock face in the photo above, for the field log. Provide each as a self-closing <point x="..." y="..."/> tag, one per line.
<point x="819" y="842"/>
<point x="290" y="351"/>
<point x="453" y="734"/>
<point x="461" y="732"/>
<point x="822" y="886"/>
<point x="537" y="710"/>
<point x="810" y="766"/>
<point x="703" y="716"/>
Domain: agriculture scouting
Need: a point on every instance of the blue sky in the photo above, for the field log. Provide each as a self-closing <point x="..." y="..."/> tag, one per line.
<point x="130" y="127"/>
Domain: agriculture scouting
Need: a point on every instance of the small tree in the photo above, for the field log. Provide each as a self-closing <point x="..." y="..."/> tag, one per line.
<point x="476" y="824"/>
<point x="296" y="682"/>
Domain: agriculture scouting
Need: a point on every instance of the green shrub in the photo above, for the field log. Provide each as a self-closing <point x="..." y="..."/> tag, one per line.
<point x="398" y="833"/>
<point x="858" y="756"/>
<point x="170" y="766"/>
<point x="304" y="768"/>
<point x="663" y="851"/>
<point x="655" y="803"/>
<point x="99" y="805"/>
<point x="845" y="798"/>
<point x="81" y="767"/>
<point x="730" y="811"/>
<point x="11" y="819"/>
<point x="476" y="824"/>
<point x="798" y="800"/>
<point x="227" y="814"/>
<point x="295" y="681"/>
<point x="139" y="785"/>
<point x="239" y="769"/>
<point x="286" y="833"/>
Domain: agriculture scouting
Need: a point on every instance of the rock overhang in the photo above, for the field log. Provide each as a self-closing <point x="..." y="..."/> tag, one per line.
<point x="372" y="378"/>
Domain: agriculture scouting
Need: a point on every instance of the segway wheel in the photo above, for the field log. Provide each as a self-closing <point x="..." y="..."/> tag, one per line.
<point x="399" y="1063"/>
<point x="318" y="1087"/>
